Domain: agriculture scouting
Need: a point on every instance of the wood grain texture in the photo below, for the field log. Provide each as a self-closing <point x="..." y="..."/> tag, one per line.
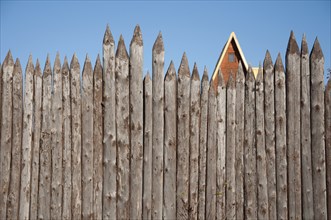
<point x="327" y="98"/>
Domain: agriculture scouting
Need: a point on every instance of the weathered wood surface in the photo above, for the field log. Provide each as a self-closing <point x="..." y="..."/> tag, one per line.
<point x="305" y="138"/>
<point x="203" y="144"/>
<point x="44" y="200"/>
<point x="136" y="120"/>
<point x="76" y="129"/>
<point x="87" y="140"/>
<point x="183" y="139"/>
<point x="293" y="128"/>
<point x="327" y="98"/>
<point x="170" y="135"/>
<point x="27" y="141"/>
<point x="6" y="131"/>
<point x="122" y="130"/>
<point x="269" y="130"/>
<point x="37" y="78"/>
<point x="250" y="149"/>
<point x="97" y="141"/>
<point x="221" y="149"/>
<point x="57" y="145"/>
<point x="109" y="127"/>
<point x="66" y="213"/>
<point x="211" y="190"/>
<point x="317" y="131"/>
<point x="158" y="124"/>
<point x="240" y="128"/>
<point x="280" y="134"/>
<point x="15" y="175"/>
<point x="262" y="187"/>
<point x="148" y="137"/>
<point x="194" y="143"/>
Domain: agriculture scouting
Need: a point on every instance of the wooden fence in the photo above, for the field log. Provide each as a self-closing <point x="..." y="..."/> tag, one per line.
<point x="113" y="145"/>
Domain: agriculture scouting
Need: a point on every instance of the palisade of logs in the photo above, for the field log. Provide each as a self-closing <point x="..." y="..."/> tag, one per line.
<point x="111" y="144"/>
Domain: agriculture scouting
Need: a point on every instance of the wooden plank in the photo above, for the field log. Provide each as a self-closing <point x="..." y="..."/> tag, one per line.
<point x="262" y="190"/>
<point x="240" y="128"/>
<point x="87" y="140"/>
<point x="6" y="131"/>
<point x="293" y="128"/>
<point x="76" y="132"/>
<point x="317" y="131"/>
<point x="97" y="140"/>
<point x="327" y="98"/>
<point x="28" y="142"/>
<point x="15" y="177"/>
<point x="230" y="148"/>
<point x="37" y="78"/>
<point x="67" y="173"/>
<point x="136" y="120"/>
<point x="158" y="126"/>
<point x="109" y="132"/>
<point x="57" y="146"/>
<point x="269" y="130"/>
<point x="250" y="187"/>
<point x="44" y="201"/>
<point x="148" y="128"/>
<point x="305" y="138"/>
<point x="203" y="144"/>
<point x="183" y="139"/>
<point x="280" y="134"/>
<point x="221" y="148"/>
<point x="122" y="130"/>
<point x="170" y="138"/>
<point x="211" y="190"/>
<point x="194" y="143"/>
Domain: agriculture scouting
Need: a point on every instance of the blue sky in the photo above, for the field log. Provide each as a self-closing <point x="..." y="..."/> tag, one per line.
<point x="199" y="28"/>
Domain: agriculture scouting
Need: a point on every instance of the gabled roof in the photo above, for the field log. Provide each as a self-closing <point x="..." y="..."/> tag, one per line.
<point x="225" y="48"/>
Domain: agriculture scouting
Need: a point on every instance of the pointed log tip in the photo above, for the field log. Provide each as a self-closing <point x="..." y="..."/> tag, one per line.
<point x="316" y="52"/>
<point x="30" y="66"/>
<point x="97" y="66"/>
<point x="292" y="46"/>
<point x="231" y="81"/>
<point x="250" y="74"/>
<point x="304" y="45"/>
<point x="171" y="72"/>
<point x="65" y="66"/>
<point x="158" y="46"/>
<point x="108" y="37"/>
<point x="147" y="77"/>
<point x="17" y="66"/>
<point x="267" y="63"/>
<point x="74" y="64"/>
<point x="121" y="49"/>
<point x="137" y="36"/>
<point x="211" y="88"/>
<point x="57" y="63"/>
<point x="8" y="59"/>
<point x="87" y="69"/>
<point x="220" y="78"/>
<point x="184" y="69"/>
<point x="47" y="68"/>
<point x="259" y="76"/>
<point x="37" y="70"/>
<point x="195" y="73"/>
<point x="279" y="64"/>
<point x="205" y="76"/>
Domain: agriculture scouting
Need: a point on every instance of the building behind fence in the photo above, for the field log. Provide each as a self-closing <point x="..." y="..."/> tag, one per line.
<point x="113" y="145"/>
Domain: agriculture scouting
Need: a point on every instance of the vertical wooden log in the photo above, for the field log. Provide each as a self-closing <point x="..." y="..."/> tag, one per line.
<point x="317" y="131"/>
<point x="240" y="128"/>
<point x="183" y="139"/>
<point x="203" y="144"/>
<point x="109" y="132"/>
<point x="44" y="201"/>
<point x="15" y="176"/>
<point x="122" y="130"/>
<point x="76" y="142"/>
<point x="148" y="128"/>
<point x="230" y="149"/>
<point x="158" y="126"/>
<point x="293" y="127"/>
<point x="0" y="105"/>
<point x="97" y="140"/>
<point x="136" y="120"/>
<point x="170" y="135"/>
<point x="327" y="98"/>
<point x="221" y="148"/>
<point x="211" y="191"/>
<point x="280" y="132"/>
<point x="250" y="149"/>
<point x="87" y="140"/>
<point x="194" y="143"/>
<point x="66" y="214"/>
<point x="6" y="131"/>
<point x="269" y="130"/>
<point x="305" y="138"/>
<point x="57" y="145"/>
<point x="37" y="78"/>
<point x="262" y="187"/>
<point x="27" y="141"/>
